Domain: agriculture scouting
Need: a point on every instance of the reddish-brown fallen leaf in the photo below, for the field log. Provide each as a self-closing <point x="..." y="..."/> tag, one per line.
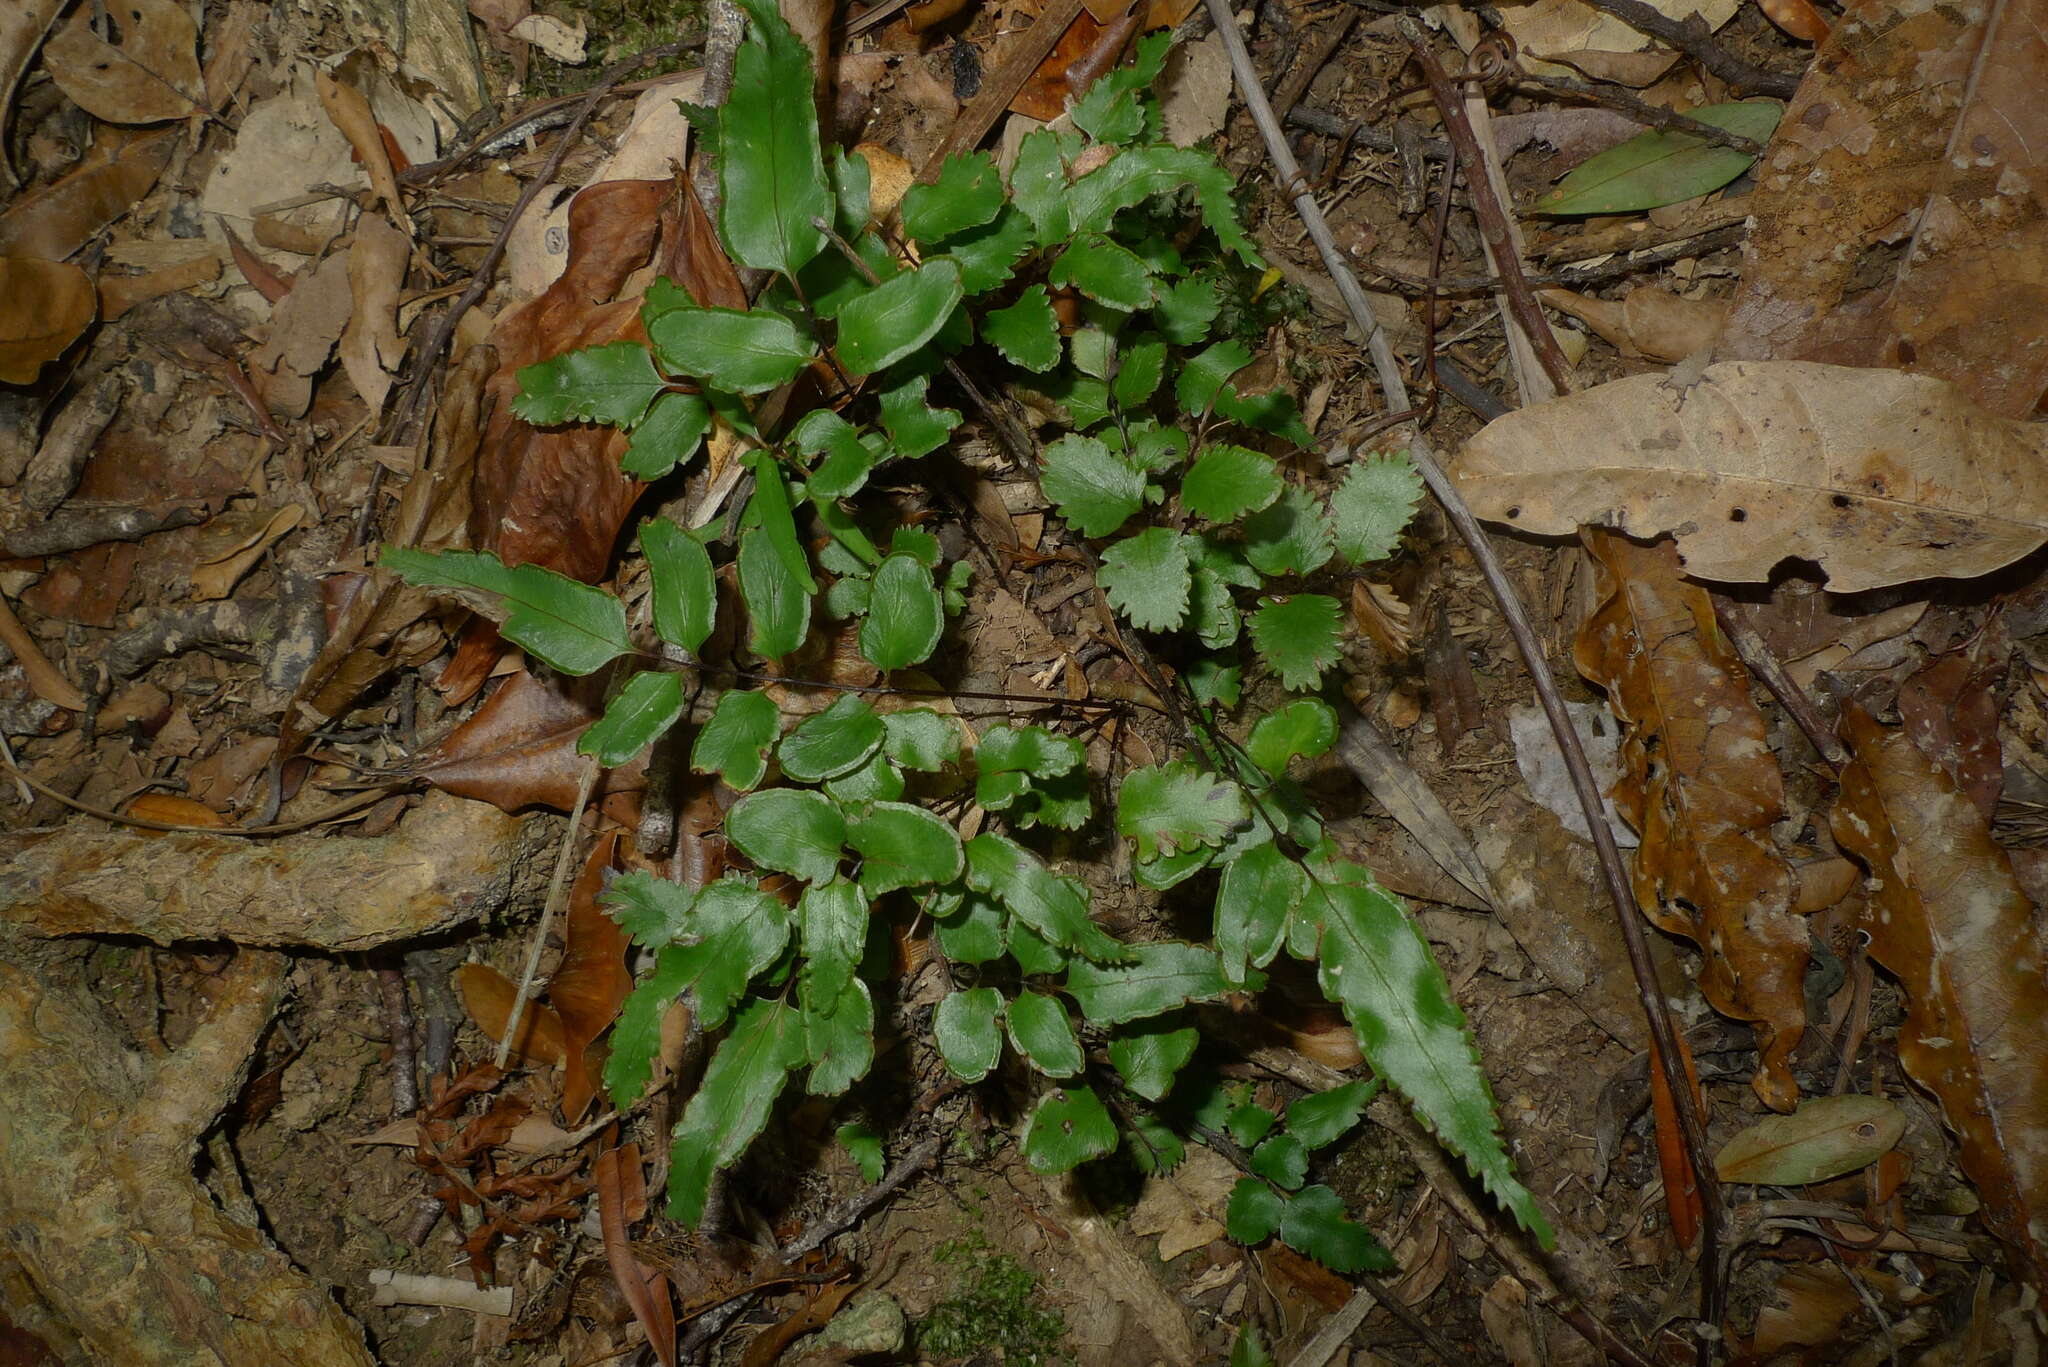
<point x="519" y="749"/>
<point x="172" y="810"/>
<point x="645" y="1290"/>
<point x="1702" y="788"/>
<point x="1951" y="710"/>
<point x="44" y="305"/>
<point x="1919" y="127"/>
<point x="555" y="496"/>
<point x="349" y="111"/>
<point x="1947" y="917"/>
<point x="1798" y="18"/>
<point x="22" y="25"/>
<point x="1647" y="321"/>
<point x="1681" y="1183"/>
<point x="55" y="221"/>
<point x="487" y="995"/>
<point x="1086" y="50"/>
<point x="768" y="1346"/>
<point x="593" y="980"/>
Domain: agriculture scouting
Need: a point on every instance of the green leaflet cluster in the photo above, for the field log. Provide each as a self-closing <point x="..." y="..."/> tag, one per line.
<point x="1073" y="276"/>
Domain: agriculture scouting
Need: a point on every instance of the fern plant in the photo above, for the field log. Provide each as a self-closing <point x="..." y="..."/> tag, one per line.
<point x="1080" y="279"/>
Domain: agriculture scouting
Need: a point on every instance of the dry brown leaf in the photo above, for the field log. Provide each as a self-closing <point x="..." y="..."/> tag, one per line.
<point x="48" y="681"/>
<point x="1647" y="321"/>
<point x="44" y="305"/>
<point x="22" y="26"/>
<point x="370" y="345"/>
<point x="1598" y="44"/>
<point x="1797" y="18"/>
<point x="1879" y="476"/>
<point x="1086" y="50"/>
<point x="519" y="749"/>
<point x="487" y="995"/>
<point x="303" y="330"/>
<point x="1701" y="787"/>
<point x="1951" y="710"/>
<point x="555" y="497"/>
<point x="616" y="1173"/>
<point x="172" y="810"/>
<point x="592" y="980"/>
<point x="1947" y="917"/>
<point x="1922" y="127"/>
<point x="120" y="293"/>
<point x="888" y="177"/>
<point x="146" y="70"/>
<point x="55" y="221"/>
<point x="1182" y="1206"/>
<point x="217" y="577"/>
<point x="350" y="112"/>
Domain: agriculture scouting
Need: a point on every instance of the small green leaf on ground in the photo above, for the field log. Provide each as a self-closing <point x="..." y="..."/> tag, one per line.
<point x="1146" y="578"/>
<point x="1106" y="272"/>
<point x="1298" y="636"/>
<point x="1372" y="505"/>
<point x="668" y="437"/>
<point x="969" y="1036"/>
<point x="905" y="617"/>
<point x="746" y="1074"/>
<point x="1027" y="332"/>
<point x="919" y="738"/>
<point x="1171" y="807"/>
<point x="1151" y="1055"/>
<point x="647" y="706"/>
<point x="903" y="846"/>
<point x="1253" y="1215"/>
<point x="1260" y="889"/>
<point x="1658" y="168"/>
<point x="743" y="353"/>
<point x="1068" y="1127"/>
<point x="1228" y="482"/>
<point x="734" y="743"/>
<point x="1291" y="535"/>
<point x="1041" y="1032"/>
<point x="1095" y="488"/>
<point x="1314" y="1223"/>
<point x="1282" y="1161"/>
<point x="771" y="176"/>
<point x="1054" y="906"/>
<point x="916" y="427"/>
<point x="685" y="596"/>
<point x="835" y="741"/>
<point x="1826" y="1137"/>
<point x="613" y="383"/>
<point x="1323" y="1117"/>
<point x="791" y="830"/>
<point x="839" y="1035"/>
<point x="572" y="626"/>
<point x="967" y="194"/>
<point x="897" y="316"/>
<point x="778" y="605"/>
<point x="1302" y="729"/>
<point x="1162" y="976"/>
<point x="1185" y="308"/>
<point x="864" y="1146"/>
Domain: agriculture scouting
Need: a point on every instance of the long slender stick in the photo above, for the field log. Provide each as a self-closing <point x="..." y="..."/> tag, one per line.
<point x="1614" y="875"/>
<point x="564" y="860"/>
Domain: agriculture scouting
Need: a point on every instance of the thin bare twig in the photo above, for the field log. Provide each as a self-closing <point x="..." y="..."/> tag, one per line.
<point x="854" y="1208"/>
<point x="1614" y="873"/>
<point x="1750" y="646"/>
<point x="1696" y="40"/>
<point x="1642" y="111"/>
<point x="565" y="858"/>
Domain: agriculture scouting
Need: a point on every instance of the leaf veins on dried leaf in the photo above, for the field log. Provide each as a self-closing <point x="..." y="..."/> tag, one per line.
<point x="1947" y="917"/>
<point x="1880" y="476"/>
<point x="1702" y="788"/>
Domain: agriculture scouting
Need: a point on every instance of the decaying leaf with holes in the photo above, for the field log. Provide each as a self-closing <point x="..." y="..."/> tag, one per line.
<point x="1701" y="786"/>
<point x="1947" y="916"/>
<point x="1878" y="475"/>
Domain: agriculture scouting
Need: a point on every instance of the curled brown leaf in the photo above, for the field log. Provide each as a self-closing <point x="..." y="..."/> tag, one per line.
<point x="1702" y="788"/>
<point x="1948" y="918"/>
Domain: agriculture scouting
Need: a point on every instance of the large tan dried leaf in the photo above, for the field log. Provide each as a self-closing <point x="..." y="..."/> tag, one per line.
<point x="519" y="749"/>
<point x="370" y="345"/>
<point x="1919" y="127"/>
<point x="1596" y="43"/>
<point x="1880" y="476"/>
<point x="44" y="305"/>
<point x="55" y="221"/>
<point x="1947" y="918"/>
<point x="1702" y="788"/>
<point x="145" y="70"/>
